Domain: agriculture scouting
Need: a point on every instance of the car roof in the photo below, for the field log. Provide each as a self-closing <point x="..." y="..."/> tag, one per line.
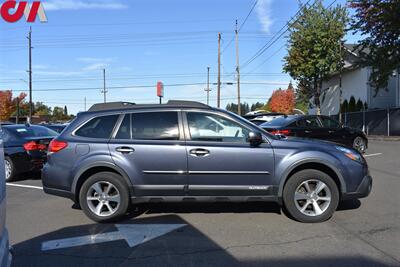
<point x="132" y="106"/>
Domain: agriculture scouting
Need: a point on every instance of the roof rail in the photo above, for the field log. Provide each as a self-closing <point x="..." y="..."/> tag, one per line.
<point x="111" y="105"/>
<point x="186" y="103"/>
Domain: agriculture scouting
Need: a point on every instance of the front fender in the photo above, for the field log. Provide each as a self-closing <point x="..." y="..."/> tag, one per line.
<point x="287" y="165"/>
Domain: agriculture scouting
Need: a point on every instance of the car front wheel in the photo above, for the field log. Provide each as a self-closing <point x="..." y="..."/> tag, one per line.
<point x="359" y="144"/>
<point x="310" y="196"/>
<point x="104" y="197"/>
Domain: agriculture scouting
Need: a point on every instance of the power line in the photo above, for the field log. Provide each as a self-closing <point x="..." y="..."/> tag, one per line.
<point x="241" y="26"/>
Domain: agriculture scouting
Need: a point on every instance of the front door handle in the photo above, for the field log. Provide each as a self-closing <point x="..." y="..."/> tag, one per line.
<point x="331" y="131"/>
<point x="125" y="149"/>
<point x="199" y="152"/>
<point x="307" y="131"/>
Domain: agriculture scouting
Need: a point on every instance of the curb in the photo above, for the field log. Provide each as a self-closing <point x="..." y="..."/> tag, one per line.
<point x="383" y="138"/>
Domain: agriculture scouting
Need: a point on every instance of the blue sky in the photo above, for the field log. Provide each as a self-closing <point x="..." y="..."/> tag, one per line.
<point x="141" y="42"/>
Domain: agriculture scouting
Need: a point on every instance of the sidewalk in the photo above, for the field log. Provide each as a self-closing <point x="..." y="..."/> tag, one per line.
<point x="383" y="138"/>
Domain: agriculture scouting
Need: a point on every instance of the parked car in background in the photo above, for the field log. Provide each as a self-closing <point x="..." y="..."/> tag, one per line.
<point x="5" y="255"/>
<point x="109" y="158"/>
<point x="25" y="148"/>
<point x="265" y="118"/>
<point x="317" y="127"/>
<point x="55" y="127"/>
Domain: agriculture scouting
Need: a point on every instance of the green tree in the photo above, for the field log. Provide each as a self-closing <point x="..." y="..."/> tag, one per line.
<point x="232" y="107"/>
<point x="345" y="106"/>
<point x="58" y="114"/>
<point x="256" y="106"/>
<point x="65" y="111"/>
<point x="42" y="109"/>
<point x="352" y="104"/>
<point x="314" y="46"/>
<point x="379" y="24"/>
<point x="359" y="105"/>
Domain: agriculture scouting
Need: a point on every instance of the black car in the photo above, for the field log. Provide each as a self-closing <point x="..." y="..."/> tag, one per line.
<point x="25" y="148"/>
<point x="318" y="127"/>
<point x="55" y="127"/>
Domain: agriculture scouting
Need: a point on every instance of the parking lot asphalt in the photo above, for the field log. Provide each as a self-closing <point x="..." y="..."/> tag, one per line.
<point x="361" y="233"/>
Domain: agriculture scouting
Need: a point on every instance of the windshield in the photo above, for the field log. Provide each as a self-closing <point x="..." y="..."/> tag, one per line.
<point x="31" y="131"/>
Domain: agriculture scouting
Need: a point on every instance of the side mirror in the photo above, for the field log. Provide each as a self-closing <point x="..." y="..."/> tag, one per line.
<point x="255" y="139"/>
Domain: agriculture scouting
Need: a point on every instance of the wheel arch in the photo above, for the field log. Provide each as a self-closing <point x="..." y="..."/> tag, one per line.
<point x="83" y="174"/>
<point x="315" y="164"/>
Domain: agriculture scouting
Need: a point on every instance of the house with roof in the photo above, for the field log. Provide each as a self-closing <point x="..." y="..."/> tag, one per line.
<point x="355" y="83"/>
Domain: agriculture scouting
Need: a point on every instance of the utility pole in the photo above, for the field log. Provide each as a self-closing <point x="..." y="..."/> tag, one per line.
<point x="17" y="117"/>
<point x="219" y="72"/>
<point x="30" y="75"/>
<point x="208" y="86"/>
<point x="104" y="86"/>
<point x="340" y="82"/>
<point x="238" y="68"/>
<point x="84" y="101"/>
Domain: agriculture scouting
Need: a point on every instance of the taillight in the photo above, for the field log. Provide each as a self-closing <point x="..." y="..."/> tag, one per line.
<point x="56" y="146"/>
<point x="282" y="132"/>
<point x="32" y="145"/>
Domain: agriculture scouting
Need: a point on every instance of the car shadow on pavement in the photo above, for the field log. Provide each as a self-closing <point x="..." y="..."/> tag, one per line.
<point x="182" y="246"/>
<point x="222" y="207"/>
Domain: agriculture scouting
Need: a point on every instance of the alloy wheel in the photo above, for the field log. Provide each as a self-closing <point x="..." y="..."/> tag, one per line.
<point x="359" y="144"/>
<point x="312" y="197"/>
<point x="8" y="169"/>
<point x="103" y="198"/>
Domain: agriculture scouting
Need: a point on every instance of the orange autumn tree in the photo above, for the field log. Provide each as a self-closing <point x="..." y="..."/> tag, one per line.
<point x="8" y="104"/>
<point x="283" y="101"/>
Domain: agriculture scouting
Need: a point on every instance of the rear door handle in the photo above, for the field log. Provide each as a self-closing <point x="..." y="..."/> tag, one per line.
<point x="331" y="131"/>
<point x="125" y="149"/>
<point x="199" y="152"/>
<point x="306" y="131"/>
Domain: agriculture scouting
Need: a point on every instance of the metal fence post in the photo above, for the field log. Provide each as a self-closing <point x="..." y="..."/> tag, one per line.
<point x="388" y="122"/>
<point x="363" y="111"/>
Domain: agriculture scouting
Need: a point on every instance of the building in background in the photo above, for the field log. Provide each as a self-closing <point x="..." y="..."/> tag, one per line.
<point x="355" y="83"/>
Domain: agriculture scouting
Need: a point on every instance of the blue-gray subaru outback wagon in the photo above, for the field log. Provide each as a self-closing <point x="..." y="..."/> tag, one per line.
<point x="118" y="154"/>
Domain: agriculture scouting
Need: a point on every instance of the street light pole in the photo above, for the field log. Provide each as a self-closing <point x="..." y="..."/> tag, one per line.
<point x="238" y="68"/>
<point x="30" y="76"/>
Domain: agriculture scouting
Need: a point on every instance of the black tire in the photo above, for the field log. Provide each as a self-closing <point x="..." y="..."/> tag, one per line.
<point x="313" y="176"/>
<point x="120" y="187"/>
<point x="360" y="147"/>
<point x="13" y="175"/>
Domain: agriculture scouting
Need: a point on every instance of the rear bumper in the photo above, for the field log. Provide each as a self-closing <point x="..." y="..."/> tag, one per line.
<point x="363" y="190"/>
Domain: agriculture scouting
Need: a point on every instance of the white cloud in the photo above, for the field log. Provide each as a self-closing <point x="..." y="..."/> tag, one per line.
<point x="82" y="4"/>
<point x="95" y="59"/>
<point x="263" y="10"/>
<point x="95" y="66"/>
<point x="40" y="67"/>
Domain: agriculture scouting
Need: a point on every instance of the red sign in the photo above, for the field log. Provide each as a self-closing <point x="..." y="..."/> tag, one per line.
<point x="160" y="89"/>
<point x="12" y="11"/>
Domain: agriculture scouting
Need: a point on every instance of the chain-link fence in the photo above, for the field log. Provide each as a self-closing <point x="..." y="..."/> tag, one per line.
<point x="374" y="122"/>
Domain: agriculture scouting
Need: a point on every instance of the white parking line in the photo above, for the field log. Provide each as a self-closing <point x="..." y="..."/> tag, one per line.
<point x="373" y="155"/>
<point x="25" y="186"/>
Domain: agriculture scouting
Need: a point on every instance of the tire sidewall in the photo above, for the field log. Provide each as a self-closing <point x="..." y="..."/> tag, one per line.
<point x="295" y="181"/>
<point x="118" y="182"/>
<point x="12" y="176"/>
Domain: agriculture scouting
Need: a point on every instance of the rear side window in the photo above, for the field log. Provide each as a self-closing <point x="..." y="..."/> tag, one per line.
<point x="310" y="122"/>
<point x="100" y="127"/>
<point x="149" y="126"/>
<point x="32" y="131"/>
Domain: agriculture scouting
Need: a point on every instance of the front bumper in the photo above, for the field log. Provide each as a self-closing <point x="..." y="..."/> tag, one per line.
<point x="363" y="190"/>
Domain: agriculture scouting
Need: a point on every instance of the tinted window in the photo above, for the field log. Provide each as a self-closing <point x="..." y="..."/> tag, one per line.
<point x="100" y="127"/>
<point x="280" y="121"/>
<point x="329" y="123"/>
<point x="31" y="131"/>
<point x="310" y="122"/>
<point x="155" y="126"/>
<point x="211" y="127"/>
<point x="124" y="131"/>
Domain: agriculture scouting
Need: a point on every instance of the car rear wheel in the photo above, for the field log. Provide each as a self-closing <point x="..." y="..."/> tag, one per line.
<point x="359" y="144"/>
<point x="10" y="169"/>
<point x="311" y="196"/>
<point x="104" y="197"/>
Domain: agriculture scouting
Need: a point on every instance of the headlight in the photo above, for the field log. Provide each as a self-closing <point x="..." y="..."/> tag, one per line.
<point x="350" y="154"/>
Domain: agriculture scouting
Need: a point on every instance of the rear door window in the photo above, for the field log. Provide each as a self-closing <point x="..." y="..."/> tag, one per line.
<point x="99" y="127"/>
<point x="309" y="122"/>
<point x="155" y="126"/>
<point x="329" y="123"/>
